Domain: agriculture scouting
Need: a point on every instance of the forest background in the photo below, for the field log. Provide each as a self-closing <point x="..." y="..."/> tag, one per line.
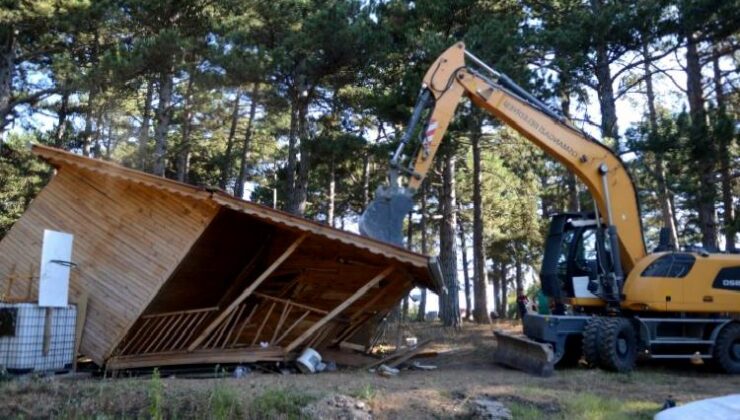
<point x="296" y="104"/>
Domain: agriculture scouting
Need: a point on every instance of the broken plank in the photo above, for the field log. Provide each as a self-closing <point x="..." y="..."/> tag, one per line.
<point x="247" y="292"/>
<point x="411" y="353"/>
<point x="392" y="359"/>
<point x="336" y="311"/>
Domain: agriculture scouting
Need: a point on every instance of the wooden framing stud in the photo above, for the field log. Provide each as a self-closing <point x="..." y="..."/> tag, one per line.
<point x="342" y="306"/>
<point x="244" y="325"/>
<point x="293" y="325"/>
<point x="247" y="292"/>
<point x="262" y="325"/>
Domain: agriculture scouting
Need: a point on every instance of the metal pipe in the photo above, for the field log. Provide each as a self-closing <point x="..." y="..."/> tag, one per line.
<point x="421" y="103"/>
<point x="506" y="82"/>
<point x="480" y="62"/>
<point x="613" y="238"/>
<point x="604" y="170"/>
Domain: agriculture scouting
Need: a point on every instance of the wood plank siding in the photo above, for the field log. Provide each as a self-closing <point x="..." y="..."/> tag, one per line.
<point x="126" y="246"/>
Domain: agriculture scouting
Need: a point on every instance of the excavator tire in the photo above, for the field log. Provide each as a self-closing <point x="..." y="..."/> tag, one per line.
<point x="727" y="349"/>
<point x="618" y="345"/>
<point x="591" y="334"/>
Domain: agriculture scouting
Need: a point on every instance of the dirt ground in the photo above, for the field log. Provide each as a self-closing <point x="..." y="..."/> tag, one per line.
<point x="465" y="373"/>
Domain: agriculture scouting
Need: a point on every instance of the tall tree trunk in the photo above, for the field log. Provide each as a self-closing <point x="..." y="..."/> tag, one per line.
<point x="496" y="280"/>
<point x="448" y="247"/>
<point x="88" y="133"/>
<point x="410" y="247"/>
<point x="666" y="210"/>
<point x="703" y="148"/>
<point x="7" y="65"/>
<point x="465" y="265"/>
<point x="146" y="120"/>
<point x="725" y="165"/>
<point x="60" y="131"/>
<point x="504" y="291"/>
<point x="97" y="133"/>
<point x="605" y="87"/>
<point x="366" y="179"/>
<point x="163" y="117"/>
<point x="226" y="164"/>
<point x="480" y="286"/>
<point x="292" y="156"/>
<point x="300" y="190"/>
<point x="246" y="146"/>
<point x="518" y="278"/>
<point x="332" y="197"/>
<point x="423" y="230"/>
<point x="110" y="143"/>
<point x="183" y="153"/>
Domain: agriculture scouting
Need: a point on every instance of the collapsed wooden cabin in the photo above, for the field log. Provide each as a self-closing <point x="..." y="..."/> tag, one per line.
<point x="176" y="274"/>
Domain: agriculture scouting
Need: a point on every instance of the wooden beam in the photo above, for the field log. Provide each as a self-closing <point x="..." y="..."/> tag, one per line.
<point x="262" y="325"/>
<point x="398" y="357"/>
<point x="283" y="316"/>
<point x="290" y="302"/>
<point x="194" y="320"/>
<point x="410" y="354"/>
<point x="293" y="325"/>
<point x="247" y="292"/>
<point x="244" y="324"/>
<point x="213" y="356"/>
<point x="132" y="340"/>
<point x="79" y="324"/>
<point x="189" y="311"/>
<point x="336" y="311"/>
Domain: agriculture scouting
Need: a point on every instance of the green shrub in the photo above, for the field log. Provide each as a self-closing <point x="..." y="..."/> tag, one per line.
<point x="156" y="396"/>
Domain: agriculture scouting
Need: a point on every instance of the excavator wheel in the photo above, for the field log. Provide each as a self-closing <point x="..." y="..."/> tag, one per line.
<point x="591" y="334"/>
<point x="618" y="345"/>
<point x="727" y="349"/>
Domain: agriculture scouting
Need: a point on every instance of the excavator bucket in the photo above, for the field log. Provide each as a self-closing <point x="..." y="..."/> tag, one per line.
<point x="383" y="217"/>
<point x="524" y="354"/>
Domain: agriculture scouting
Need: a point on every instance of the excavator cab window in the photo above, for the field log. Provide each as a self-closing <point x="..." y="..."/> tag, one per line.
<point x="571" y="253"/>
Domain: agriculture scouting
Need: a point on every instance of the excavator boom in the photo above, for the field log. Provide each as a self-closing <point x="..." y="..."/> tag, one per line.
<point x="445" y="83"/>
<point x="614" y="287"/>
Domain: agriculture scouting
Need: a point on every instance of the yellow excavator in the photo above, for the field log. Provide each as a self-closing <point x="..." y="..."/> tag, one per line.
<point x="613" y="302"/>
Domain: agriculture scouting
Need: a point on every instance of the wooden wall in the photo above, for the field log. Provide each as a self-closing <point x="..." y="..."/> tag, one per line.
<point x="128" y="240"/>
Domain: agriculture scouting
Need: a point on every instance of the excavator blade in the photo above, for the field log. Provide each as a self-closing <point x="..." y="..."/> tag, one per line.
<point x="383" y="217"/>
<point x="524" y="354"/>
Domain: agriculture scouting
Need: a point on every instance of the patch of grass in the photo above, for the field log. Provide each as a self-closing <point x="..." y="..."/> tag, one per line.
<point x="156" y="396"/>
<point x="280" y="403"/>
<point x="590" y="406"/>
<point x="522" y="411"/>
<point x="527" y="405"/>
<point x="367" y="393"/>
<point x="223" y="403"/>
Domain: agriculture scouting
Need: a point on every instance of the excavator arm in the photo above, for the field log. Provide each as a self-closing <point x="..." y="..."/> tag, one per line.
<point x="598" y="167"/>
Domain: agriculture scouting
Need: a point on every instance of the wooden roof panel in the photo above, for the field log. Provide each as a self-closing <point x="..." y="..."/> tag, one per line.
<point x="59" y="158"/>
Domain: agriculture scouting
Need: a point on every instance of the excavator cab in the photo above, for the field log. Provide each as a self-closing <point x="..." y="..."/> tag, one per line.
<point x="577" y="258"/>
